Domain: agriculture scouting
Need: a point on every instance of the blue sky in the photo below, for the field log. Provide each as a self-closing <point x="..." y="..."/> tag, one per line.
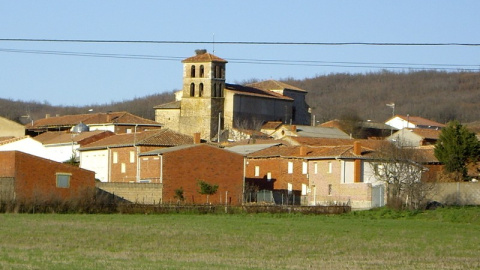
<point x="40" y="71"/>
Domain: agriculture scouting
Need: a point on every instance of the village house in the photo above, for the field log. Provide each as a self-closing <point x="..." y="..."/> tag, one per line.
<point x="24" y="177"/>
<point x="312" y="175"/>
<point x="25" y="144"/>
<point x="9" y="128"/>
<point x="117" y="122"/>
<point x="282" y="131"/>
<point x="115" y="158"/>
<point x="413" y="137"/>
<point x="362" y="129"/>
<point x="209" y="105"/>
<point x="63" y="146"/>
<point x="400" y="122"/>
<point x="181" y="167"/>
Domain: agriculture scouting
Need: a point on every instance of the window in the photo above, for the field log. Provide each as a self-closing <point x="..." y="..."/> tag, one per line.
<point x="304" y="168"/>
<point x="330" y="167"/>
<point x="217" y="72"/>
<point x="289" y="188"/>
<point x="129" y="130"/>
<point x="124" y="168"/>
<point x="315" y="168"/>
<point x="192" y="89"/>
<point x="290" y="167"/>
<point x="214" y="92"/>
<point x="269" y="176"/>
<point x="115" y="157"/>
<point x="202" y="71"/>
<point x="192" y="71"/>
<point x="200" y="90"/>
<point x="63" y="180"/>
<point x="257" y="170"/>
<point x="132" y="156"/>
<point x="304" y="189"/>
<point x="330" y="189"/>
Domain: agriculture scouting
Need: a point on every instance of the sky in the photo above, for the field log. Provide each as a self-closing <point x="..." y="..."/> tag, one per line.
<point x="268" y="39"/>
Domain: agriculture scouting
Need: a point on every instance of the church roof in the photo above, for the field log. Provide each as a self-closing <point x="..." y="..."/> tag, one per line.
<point x="252" y="91"/>
<point x="275" y="85"/>
<point x="204" y="57"/>
<point x="170" y="105"/>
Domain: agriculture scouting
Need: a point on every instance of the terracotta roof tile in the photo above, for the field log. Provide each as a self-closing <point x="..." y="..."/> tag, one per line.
<point x="372" y="144"/>
<point x="251" y="91"/>
<point x="311" y="152"/>
<point x="275" y="85"/>
<point x="162" y="137"/>
<point x="89" y="119"/>
<point x="427" y="133"/>
<point x="420" y="121"/>
<point x="58" y="137"/>
<point x="205" y="57"/>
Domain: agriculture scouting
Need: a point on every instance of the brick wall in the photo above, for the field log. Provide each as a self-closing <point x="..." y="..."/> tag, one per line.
<point x="35" y="177"/>
<point x="183" y="168"/>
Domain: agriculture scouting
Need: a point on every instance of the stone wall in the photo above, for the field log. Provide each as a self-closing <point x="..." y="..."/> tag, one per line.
<point x="144" y="193"/>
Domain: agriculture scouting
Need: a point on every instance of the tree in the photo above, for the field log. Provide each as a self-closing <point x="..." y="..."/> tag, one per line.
<point x="400" y="168"/>
<point x="206" y="188"/>
<point x="179" y="194"/>
<point x="455" y="148"/>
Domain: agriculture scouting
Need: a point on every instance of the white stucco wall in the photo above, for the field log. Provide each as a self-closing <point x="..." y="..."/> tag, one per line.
<point x="61" y="152"/>
<point x="26" y="145"/>
<point x="97" y="161"/>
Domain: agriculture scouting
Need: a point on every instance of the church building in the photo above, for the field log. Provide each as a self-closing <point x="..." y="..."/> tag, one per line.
<point x="210" y="106"/>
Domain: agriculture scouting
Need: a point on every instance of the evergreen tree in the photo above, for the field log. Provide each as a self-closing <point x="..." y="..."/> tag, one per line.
<point x="456" y="147"/>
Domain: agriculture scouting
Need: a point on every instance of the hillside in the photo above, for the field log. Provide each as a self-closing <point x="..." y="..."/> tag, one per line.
<point x="440" y="96"/>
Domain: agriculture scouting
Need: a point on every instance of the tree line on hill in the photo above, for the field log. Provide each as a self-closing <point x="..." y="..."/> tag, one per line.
<point x="436" y="95"/>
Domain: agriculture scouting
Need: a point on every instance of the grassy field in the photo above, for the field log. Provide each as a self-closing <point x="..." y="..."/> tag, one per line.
<point x="381" y="239"/>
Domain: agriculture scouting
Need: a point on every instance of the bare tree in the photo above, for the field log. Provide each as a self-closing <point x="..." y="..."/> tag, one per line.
<point x="401" y="169"/>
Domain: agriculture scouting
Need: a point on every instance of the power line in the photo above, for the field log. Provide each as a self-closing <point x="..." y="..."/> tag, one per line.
<point x="381" y="65"/>
<point x="242" y="42"/>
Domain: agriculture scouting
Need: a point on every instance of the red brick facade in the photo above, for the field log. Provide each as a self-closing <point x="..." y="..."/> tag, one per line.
<point x="36" y="178"/>
<point x="183" y="168"/>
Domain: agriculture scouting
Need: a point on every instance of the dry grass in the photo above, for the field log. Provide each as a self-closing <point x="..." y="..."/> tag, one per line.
<point x="234" y="242"/>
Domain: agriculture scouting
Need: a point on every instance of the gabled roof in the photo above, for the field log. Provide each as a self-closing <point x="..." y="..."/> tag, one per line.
<point x="371" y="144"/>
<point x="246" y="149"/>
<point x="162" y="137"/>
<point x="310" y="152"/>
<point x="320" y="132"/>
<point x="252" y="91"/>
<point x="61" y="137"/>
<point x="115" y="118"/>
<point x="425" y="133"/>
<point x="204" y="57"/>
<point x="272" y="85"/>
<point x="170" y="105"/>
<point x="13" y="139"/>
<point x="419" y="121"/>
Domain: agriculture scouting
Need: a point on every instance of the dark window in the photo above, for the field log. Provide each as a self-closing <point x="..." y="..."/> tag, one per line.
<point x="63" y="180"/>
<point x="202" y="71"/>
<point x="192" y="72"/>
<point x="192" y="89"/>
<point x="214" y="92"/>
<point x="200" y="90"/>
<point x="217" y="71"/>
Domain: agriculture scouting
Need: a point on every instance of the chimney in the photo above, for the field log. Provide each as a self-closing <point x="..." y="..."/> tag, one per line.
<point x="47" y="115"/>
<point x="357" y="165"/>
<point x="196" y="138"/>
<point x="294" y="128"/>
<point x="109" y="118"/>
<point x="303" y="150"/>
<point x="357" y="148"/>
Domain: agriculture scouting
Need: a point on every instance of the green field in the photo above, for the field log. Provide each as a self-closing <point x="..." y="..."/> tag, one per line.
<point x="381" y="239"/>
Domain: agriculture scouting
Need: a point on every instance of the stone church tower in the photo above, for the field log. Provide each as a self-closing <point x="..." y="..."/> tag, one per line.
<point x="203" y="95"/>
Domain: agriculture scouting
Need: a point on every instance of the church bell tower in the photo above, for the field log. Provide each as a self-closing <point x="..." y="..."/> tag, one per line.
<point x="202" y="94"/>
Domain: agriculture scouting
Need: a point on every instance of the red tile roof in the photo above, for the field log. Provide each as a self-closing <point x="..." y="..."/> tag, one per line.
<point x="251" y="91"/>
<point x="420" y="121"/>
<point x="205" y="57"/>
<point x="59" y="137"/>
<point x="310" y="152"/>
<point x="371" y="144"/>
<point x="427" y="133"/>
<point x="89" y="119"/>
<point x="161" y="137"/>
<point x="275" y="85"/>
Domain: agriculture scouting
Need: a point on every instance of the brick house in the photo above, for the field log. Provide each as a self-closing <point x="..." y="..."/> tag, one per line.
<point x="26" y="177"/>
<point x="182" y="167"/>
<point x="115" y="158"/>
<point x="117" y="122"/>
<point x="314" y="175"/>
